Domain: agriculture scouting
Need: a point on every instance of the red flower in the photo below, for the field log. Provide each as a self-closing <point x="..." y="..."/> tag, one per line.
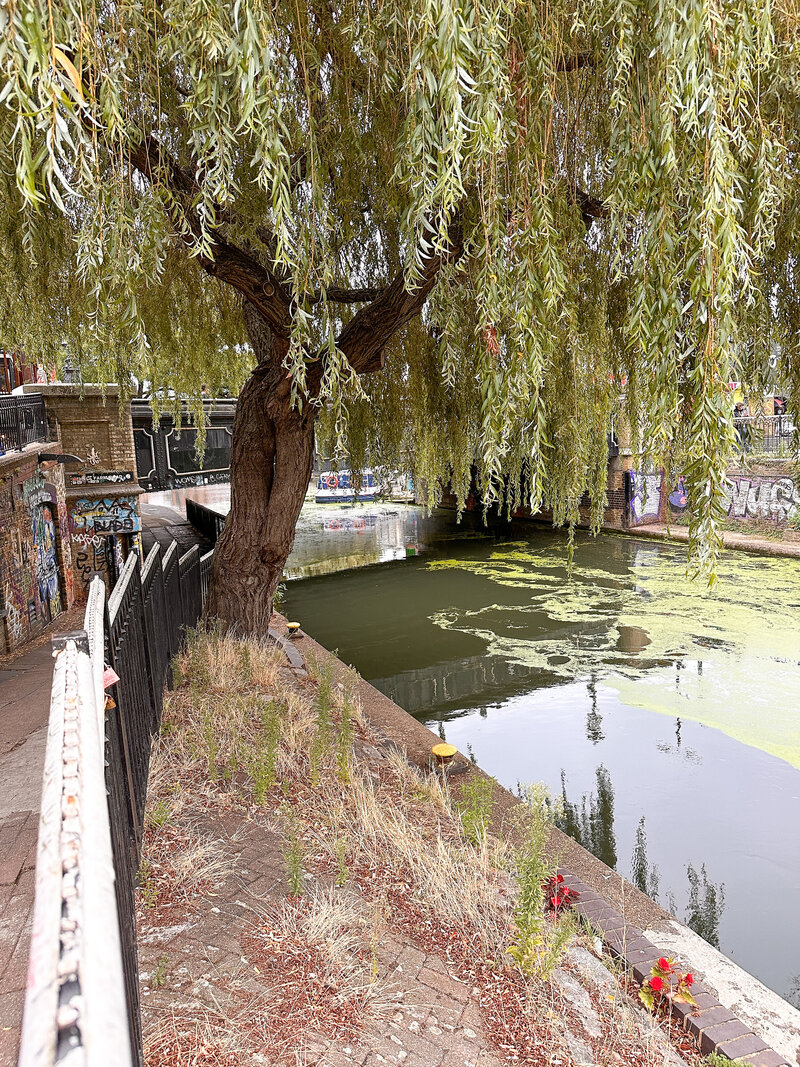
<point x="555" y="901"/>
<point x="689" y="979"/>
<point x="559" y="878"/>
<point x="656" y="984"/>
<point x="664" y="964"/>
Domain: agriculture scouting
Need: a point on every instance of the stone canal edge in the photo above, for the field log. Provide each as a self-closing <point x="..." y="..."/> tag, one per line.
<point x="760" y="1029"/>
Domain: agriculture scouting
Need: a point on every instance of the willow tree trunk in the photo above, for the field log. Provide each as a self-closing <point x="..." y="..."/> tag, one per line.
<point x="272" y="455"/>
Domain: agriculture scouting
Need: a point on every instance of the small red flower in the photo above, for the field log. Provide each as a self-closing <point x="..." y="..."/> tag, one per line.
<point x="689" y="979"/>
<point x="663" y="964"/>
<point x="555" y="901"/>
<point x="656" y="984"/>
<point x="559" y="878"/>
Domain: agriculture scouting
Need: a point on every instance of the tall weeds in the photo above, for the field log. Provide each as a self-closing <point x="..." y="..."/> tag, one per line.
<point x="298" y="750"/>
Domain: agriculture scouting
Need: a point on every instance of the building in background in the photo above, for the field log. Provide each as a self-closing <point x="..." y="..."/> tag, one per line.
<point x="36" y="567"/>
<point x="101" y="490"/>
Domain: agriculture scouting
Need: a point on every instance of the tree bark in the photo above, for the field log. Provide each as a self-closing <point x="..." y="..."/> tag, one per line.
<point x="272" y="450"/>
<point x="272" y="455"/>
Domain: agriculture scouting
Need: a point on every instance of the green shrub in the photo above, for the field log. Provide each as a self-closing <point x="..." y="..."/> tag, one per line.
<point x="475" y="808"/>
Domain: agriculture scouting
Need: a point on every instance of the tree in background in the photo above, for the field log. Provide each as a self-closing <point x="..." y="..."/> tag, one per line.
<point x="523" y="215"/>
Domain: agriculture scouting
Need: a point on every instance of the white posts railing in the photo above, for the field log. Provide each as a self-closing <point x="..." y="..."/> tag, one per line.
<point x="75" y="1007"/>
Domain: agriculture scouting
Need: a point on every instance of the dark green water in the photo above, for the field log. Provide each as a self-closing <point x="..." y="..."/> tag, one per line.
<point x="663" y="718"/>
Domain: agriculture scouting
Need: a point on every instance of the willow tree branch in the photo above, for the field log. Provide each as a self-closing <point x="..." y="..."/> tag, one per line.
<point x="574" y="62"/>
<point x="366" y="335"/>
<point x="227" y="262"/>
<point x="591" y="207"/>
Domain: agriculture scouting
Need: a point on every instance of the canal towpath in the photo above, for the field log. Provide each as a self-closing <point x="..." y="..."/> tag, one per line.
<point x="745" y="542"/>
<point x="25" y="681"/>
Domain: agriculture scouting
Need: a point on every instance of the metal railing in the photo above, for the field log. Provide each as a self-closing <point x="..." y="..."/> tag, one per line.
<point x="765" y="433"/>
<point x="23" y="421"/>
<point x="82" y="1003"/>
<point x="209" y="522"/>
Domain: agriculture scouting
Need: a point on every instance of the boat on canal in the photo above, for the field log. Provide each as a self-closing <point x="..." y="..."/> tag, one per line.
<point x="336" y="487"/>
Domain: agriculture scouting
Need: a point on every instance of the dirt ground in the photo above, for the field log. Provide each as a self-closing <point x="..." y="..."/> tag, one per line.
<point x="308" y="897"/>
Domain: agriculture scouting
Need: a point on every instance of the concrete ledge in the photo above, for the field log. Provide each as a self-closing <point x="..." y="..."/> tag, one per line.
<point x="633" y="928"/>
<point x="731" y="539"/>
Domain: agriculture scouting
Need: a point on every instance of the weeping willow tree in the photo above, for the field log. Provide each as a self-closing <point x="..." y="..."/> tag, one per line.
<point x="461" y="234"/>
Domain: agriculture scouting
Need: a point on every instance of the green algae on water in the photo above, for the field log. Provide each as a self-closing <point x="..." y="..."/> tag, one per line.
<point x="726" y="657"/>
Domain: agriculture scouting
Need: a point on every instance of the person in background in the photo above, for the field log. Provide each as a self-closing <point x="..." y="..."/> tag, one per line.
<point x="740" y="426"/>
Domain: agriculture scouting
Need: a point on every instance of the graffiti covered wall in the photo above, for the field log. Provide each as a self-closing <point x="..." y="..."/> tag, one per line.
<point x="104" y="530"/>
<point x="644" y="492"/>
<point x="775" y="499"/>
<point x="36" y="580"/>
<point x="118" y="514"/>
<point x="749" y="497"/>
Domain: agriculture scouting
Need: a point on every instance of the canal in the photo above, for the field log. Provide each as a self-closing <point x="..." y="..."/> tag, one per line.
<point x="663" y="718"/>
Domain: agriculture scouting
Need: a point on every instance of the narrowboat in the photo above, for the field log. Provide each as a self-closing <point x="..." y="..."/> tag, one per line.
<point x="335" y="487"/>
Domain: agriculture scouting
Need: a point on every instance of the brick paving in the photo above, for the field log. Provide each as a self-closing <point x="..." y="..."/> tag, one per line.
<point x="208" y="988"/>
<point x="432" y="1021"/>
<point x="25" y="685"/>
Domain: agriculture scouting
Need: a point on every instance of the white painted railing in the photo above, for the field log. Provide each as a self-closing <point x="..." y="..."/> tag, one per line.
<point x="75" y="1007"/>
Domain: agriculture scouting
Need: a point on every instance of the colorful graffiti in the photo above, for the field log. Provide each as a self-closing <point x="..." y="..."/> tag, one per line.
<point x="750" y="497"/>
<point x="644" y="499"/>
<point x="13" y="616"/>
<point x="45" y="562"/>
<point x="679" y="498"/>
<point x="776" y="499"/>
<point x="41" y="500"/>
<point x="109" y="515"/>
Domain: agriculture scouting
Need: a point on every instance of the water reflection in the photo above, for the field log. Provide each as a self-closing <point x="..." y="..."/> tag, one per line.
<point x="335" y="537"/>
<point x="591" y="822"/>
<point x="594" y="720"/>
<point x="627" y="675"/>
<point x="632" y="639"/>
<point x="706" y="904"/>
<point x="643" y="875"/>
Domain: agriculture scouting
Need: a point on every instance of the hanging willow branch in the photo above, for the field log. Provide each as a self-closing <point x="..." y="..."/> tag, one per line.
<point x="528" y="217"/>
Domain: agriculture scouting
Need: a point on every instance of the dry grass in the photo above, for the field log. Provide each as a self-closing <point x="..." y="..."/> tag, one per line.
<point x="199" y="1038"/>
<point x="313" y="956"/>
<point x="386" y="845"/>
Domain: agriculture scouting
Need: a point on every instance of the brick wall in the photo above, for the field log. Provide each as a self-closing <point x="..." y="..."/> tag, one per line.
<point x="86" y="419"/>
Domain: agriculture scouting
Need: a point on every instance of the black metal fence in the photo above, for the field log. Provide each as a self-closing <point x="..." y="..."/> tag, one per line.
<point x="774" y="434"/>
<point x="136" y="634"/>
<point x="207" y="521"/>
<point x="148" y="611"/>
<point x="23" y="421"/>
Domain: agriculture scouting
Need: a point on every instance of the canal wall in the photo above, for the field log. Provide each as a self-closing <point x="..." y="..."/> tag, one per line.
<point x="738" y="1016"/>
<point x="767" y="492"/>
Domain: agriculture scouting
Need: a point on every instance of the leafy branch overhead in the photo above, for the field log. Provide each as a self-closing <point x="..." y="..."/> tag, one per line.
<point x="530" y="218"/>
